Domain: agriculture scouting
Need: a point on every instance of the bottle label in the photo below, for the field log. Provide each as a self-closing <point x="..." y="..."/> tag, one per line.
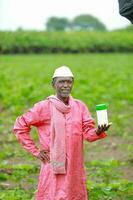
<point x="102" y="117"/>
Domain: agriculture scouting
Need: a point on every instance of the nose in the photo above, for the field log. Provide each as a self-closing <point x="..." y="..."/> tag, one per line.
<point x="65" y="84"/>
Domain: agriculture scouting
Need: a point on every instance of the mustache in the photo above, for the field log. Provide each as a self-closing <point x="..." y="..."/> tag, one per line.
<point x="67" y="90"/>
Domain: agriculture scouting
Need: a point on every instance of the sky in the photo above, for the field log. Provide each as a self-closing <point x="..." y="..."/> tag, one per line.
<point x="33" y="14"/>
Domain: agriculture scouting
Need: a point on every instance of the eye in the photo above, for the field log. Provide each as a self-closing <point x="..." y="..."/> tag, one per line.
<point x="61" y="81"/>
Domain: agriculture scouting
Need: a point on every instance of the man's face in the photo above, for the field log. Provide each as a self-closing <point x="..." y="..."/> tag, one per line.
<point x="63" y="86"/>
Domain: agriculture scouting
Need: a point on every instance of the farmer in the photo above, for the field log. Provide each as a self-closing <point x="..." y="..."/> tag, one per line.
<point x="62" y="123"/>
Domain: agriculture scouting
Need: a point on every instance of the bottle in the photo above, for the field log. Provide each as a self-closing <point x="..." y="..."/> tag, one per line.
<point x="102" y="116"/>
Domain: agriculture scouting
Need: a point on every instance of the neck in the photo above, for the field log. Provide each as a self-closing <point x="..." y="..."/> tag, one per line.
<point x="64" y="99"/>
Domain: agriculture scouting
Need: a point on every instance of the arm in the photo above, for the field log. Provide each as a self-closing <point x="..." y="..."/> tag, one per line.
<point x="23" y="125"/>
<point x="90" y="133"/>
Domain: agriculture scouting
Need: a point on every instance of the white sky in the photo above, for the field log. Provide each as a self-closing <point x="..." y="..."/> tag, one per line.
<point x="33" y="14"/>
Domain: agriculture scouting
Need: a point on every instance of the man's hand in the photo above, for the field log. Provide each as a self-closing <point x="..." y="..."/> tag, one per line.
<point x="102" y="128"/>
<point x="43" y="156"/>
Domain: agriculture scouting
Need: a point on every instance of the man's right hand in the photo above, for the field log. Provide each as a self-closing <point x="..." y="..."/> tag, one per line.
<point x="43" y="156"/>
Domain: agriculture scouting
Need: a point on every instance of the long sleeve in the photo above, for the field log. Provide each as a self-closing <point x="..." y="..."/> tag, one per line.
<point x="88" y="126"/>
<point x="23" y="125"/>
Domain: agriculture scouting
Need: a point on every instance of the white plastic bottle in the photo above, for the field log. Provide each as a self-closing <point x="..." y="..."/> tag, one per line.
<point x="102" y="116"/>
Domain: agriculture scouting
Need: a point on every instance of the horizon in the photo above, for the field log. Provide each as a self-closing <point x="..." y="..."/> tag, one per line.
<point x="33" y="15"/>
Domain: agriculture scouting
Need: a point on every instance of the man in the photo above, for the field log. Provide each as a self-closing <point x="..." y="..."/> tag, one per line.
<point x="62" y="123"/>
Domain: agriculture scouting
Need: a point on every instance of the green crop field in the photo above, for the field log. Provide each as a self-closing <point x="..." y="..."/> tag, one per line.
<point x="99" y="78"/>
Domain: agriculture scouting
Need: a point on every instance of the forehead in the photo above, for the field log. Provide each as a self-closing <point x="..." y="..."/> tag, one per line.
<point x="64" y="79"/>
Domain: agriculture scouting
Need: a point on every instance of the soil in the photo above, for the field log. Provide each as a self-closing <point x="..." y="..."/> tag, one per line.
<point x="112" y="147"/>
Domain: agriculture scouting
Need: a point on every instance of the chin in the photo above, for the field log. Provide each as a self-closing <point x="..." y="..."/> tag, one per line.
<point x="65" y="95"/>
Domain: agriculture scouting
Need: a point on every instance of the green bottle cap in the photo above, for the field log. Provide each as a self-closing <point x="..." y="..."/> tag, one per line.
<point x="101" y="107"/>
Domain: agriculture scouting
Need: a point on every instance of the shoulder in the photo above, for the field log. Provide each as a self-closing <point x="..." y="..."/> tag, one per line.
<point x="80" y="103"/>
<point x="41" y="105"/>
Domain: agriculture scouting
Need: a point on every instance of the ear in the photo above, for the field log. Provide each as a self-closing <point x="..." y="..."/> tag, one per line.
<point x="53" y="82"/>
<point x="73" y="80"/>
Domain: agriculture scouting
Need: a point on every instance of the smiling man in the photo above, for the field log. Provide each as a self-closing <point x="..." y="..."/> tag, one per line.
<point x="62" y="123"/>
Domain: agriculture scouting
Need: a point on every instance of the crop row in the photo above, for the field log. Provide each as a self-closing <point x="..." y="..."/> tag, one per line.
<point x="65" y="42"/>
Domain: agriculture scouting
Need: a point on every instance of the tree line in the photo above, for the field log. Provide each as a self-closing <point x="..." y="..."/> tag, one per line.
<point x="79" y="23"/>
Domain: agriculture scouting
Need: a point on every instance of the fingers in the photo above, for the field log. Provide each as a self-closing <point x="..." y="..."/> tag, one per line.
<point x="43" y="156"/>
<point x="104" y="127"/>
<point x="109" y="124"/>
<point x="100" y="129"/>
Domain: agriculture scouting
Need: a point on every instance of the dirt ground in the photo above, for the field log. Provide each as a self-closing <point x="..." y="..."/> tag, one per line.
<point x="112" y="147"/>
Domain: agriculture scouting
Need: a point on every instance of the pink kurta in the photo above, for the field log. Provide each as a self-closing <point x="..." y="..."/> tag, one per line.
<point x="79" y="126"/>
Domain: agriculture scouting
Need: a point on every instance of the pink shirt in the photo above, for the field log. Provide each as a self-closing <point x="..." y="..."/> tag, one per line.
<point x="79" y="126"/>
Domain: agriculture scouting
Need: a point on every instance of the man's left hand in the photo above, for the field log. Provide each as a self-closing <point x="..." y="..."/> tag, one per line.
<point x="103" y="128"/>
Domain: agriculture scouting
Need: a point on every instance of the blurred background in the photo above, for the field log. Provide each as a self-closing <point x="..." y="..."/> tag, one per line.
<point x="96" y="42"/>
